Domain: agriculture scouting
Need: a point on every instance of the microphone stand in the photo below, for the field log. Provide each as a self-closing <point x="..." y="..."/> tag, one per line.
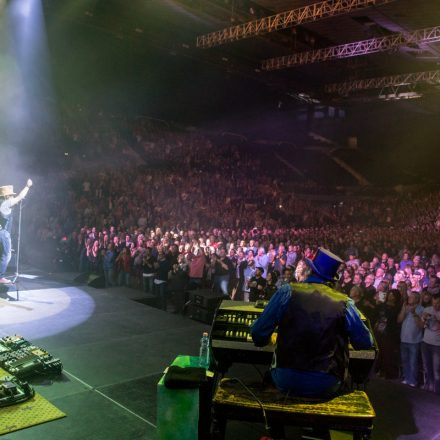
<point x="16" y="275"/>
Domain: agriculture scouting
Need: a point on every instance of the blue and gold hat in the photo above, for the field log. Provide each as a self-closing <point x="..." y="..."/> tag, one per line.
<point x="325" y="264"/>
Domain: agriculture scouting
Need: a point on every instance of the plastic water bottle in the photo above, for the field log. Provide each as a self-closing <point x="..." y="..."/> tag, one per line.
<point x="204" y="351"/>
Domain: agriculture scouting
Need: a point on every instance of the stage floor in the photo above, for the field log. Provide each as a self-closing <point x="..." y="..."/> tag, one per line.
<point x="114" y="350"/>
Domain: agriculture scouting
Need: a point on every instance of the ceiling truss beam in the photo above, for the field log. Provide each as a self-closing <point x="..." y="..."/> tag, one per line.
<point x="284" y="20"/>
<point x="347" y="87"/>
<point x="365" y="47"/>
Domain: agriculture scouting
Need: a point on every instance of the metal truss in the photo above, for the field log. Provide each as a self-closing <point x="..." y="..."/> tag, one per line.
<point x="421" y="36"/>
<point x="283" y="20"/>
<point x="345" y="88"/>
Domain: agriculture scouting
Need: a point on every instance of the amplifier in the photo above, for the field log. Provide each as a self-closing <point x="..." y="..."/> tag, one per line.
<point x="205" y="298"/>
<point x="200" y="314"/>
<point x="202" y="304"/>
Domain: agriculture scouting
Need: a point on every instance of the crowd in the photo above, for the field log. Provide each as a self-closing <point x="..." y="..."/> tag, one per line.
<point x="132" y="172"/>
<point x="399" y="293"/>
<point x="168" y="212"/>
<point x="186" y="180"/>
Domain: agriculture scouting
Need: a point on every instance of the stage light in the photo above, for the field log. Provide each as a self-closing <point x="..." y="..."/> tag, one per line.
<point x="22" y="7"/>
<point x="27" y="44"/>
<point x="399" y="96"/>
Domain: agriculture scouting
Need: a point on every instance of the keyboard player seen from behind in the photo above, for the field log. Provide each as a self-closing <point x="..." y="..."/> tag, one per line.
<point x="315" y="325"/>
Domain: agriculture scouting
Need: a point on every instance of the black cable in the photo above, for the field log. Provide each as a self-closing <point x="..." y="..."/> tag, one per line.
<point x="236" y="379"/>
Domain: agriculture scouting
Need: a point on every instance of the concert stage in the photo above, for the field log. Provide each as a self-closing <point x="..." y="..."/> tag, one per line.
<point x="114" y="350"/>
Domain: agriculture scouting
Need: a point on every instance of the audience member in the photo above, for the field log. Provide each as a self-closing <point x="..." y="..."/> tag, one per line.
<point x="431" y="345"/>
<point x="411" y="336"/>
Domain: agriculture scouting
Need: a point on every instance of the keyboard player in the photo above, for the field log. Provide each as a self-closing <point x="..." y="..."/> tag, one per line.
<point x="315" y="325"/>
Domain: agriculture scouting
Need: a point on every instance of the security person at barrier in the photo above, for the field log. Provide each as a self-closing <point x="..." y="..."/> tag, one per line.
<point x="315" y="323"/>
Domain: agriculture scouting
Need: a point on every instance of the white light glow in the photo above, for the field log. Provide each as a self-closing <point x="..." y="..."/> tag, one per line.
<point x="44" y="312"/>
<point x="22" y="8"/>
<point x="29" y="277"/>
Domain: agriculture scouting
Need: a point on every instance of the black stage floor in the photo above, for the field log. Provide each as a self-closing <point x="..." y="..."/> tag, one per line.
<point x="114" y="350"/>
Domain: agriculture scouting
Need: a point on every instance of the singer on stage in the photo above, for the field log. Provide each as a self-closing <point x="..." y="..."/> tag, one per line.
<point x="7" y="202"/>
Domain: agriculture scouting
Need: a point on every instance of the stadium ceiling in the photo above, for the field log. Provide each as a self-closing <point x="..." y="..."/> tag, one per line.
<point x="305" y="45"/>
<point x="402" y="39"/>
<point x="286" y="19"/>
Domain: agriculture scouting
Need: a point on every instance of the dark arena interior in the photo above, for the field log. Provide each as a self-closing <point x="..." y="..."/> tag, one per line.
<point x="219" y="219"/>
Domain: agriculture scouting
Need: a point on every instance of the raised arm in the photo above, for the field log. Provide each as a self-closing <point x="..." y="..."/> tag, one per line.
<point x="402" y="314"/>
<point x="22" y="193"/>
